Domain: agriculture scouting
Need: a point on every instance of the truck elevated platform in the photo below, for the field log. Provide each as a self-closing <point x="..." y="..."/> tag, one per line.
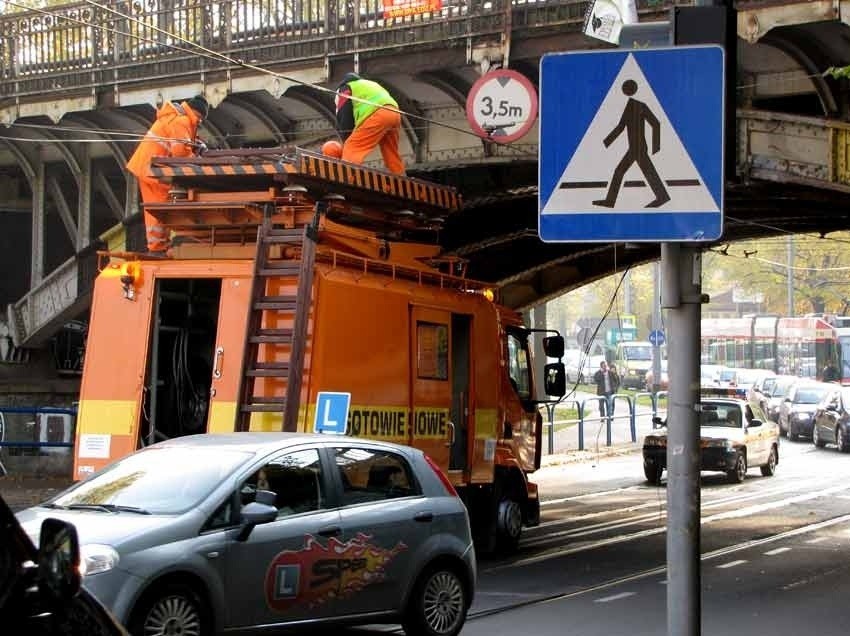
<point x="229" y="190"/>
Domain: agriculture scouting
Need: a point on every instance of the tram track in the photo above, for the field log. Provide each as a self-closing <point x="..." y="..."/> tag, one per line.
<point x="661" y="569"/>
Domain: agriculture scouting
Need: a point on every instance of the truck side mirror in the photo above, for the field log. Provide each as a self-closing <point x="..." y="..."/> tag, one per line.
<point x="553" y="346"/>
<point x="555" y="378"/>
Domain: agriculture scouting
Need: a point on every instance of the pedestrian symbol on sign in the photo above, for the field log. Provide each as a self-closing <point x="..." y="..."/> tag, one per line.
<point x="635" y="116"/>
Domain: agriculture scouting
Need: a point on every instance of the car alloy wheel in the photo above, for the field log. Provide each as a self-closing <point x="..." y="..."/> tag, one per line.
<point x="438" y="605"/>
<point x="739" y="472"/>
<point x="769" y="468"/>
<point x="816" y="440"/>
<point x="652" y="471"/>
<point x="175" y="610"/>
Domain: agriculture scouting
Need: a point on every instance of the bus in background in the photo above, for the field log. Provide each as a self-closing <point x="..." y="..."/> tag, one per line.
<point x="843" y="335"/>
<point x="792" y="346"/>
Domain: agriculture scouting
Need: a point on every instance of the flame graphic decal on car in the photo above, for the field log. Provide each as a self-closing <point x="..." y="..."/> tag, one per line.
<point x="317" y="573"/>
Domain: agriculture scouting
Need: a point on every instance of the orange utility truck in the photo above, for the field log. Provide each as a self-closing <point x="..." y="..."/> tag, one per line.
<point x="296" y="276"/>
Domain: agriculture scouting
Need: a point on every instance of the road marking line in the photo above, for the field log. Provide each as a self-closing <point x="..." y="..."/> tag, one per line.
<point x="776" y="551"/>
<point x="731" y="564"/>
<point x="615" y="597"/>
<point x="816" y="540"/>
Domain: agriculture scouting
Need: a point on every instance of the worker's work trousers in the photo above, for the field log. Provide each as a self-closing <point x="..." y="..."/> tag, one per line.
<point x="154" y="191"/>
<point x="381" y="127"/>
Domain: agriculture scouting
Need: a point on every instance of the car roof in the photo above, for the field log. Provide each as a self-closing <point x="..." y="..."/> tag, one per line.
<point x="723" y="401"/>
<point x="258" y="442"/>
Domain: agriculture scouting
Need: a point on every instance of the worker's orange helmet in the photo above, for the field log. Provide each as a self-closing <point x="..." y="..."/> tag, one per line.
<point x="332" y="148"/>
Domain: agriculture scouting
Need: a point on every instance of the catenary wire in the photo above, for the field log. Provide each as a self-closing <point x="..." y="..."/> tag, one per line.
<point x="207" y="53"/>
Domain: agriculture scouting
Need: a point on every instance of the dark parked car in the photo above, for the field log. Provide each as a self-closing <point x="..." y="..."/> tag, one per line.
<point x="832" y="419"/>
<point x="40" y="588"/>
<point x="796" y="414"/>
<point x="776" y="395"/>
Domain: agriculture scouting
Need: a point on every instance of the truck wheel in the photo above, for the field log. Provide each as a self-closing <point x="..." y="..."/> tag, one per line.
<point x="508" y="525"/>
<point x="438" y="604"/>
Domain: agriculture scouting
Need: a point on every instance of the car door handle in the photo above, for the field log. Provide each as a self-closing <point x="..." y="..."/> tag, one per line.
<point x="424" y="517"/>
<point x="333" y="531"/>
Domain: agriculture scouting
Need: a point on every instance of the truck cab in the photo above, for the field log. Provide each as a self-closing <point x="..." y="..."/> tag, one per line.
<point x="633" y="360"/>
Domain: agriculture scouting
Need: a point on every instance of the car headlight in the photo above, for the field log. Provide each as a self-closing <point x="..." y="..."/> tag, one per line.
<point x="719" y="443"/>
<point x="96" y="558"/>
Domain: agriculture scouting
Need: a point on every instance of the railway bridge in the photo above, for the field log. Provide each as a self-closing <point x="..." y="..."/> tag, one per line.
<point x="80" y="83"/>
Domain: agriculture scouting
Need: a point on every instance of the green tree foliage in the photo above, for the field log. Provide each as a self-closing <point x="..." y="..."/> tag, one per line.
<point x="819" y="272"/>
<point x="820" y="276"/>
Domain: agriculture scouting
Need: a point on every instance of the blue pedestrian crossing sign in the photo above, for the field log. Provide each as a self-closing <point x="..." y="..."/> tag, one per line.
<point x="656" y="337"/>
<point x="631" y="145"/>
<point x="331" y="412"/>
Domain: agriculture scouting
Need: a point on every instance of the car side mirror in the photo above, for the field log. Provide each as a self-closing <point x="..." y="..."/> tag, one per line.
<point x="754" y="423"/>
<point x="58" y="561"/>
<point x="657" y="422"/>
<point x="255" y="514"/>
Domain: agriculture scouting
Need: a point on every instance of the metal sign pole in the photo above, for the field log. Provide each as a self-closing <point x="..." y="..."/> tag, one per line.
<point x="682" y="297"/>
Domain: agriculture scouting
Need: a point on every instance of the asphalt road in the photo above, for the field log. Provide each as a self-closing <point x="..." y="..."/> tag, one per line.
<point x="775" y="553"/>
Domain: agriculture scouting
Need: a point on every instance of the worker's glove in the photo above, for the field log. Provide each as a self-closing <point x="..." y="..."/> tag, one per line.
<point x="200" y="147"/>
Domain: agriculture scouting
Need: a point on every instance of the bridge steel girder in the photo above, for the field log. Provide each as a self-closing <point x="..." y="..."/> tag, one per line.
<point x="275" y="123"/>
<point x="802" y="53"/>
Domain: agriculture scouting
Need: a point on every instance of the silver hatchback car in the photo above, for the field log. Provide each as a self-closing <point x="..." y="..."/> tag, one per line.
<point x="248" y="531"/>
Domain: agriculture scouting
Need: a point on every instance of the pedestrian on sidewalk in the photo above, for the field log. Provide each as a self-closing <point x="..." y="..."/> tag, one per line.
<point x="607" y="383"/>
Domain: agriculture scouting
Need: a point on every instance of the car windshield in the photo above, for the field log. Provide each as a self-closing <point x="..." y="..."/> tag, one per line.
<point x="157" y="480"/>
<point x="727" y="375"/>
<point x="809" y="395"/>
<point x="780" y="389"/>
<point x="728" y="415"/>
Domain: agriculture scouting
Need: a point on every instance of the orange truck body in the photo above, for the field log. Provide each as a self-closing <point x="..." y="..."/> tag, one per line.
<point x="428" y="359"/>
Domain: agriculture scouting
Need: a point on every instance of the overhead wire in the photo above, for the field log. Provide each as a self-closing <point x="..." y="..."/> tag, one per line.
<point x="203" y="51"/>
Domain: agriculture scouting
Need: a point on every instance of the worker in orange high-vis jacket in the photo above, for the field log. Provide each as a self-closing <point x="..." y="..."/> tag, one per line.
<point x="364" y="123"/>
<point x="173" y="134"/>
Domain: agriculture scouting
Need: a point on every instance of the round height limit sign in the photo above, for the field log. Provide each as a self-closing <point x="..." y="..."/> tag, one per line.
<point x="502" y="106"/>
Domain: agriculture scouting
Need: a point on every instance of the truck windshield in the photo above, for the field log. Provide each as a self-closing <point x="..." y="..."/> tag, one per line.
<point x="637" y="353"/>
<point x="518" y="366"/>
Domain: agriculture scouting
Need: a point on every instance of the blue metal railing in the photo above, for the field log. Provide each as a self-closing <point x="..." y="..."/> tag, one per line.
<point x="581" y="407"/>
<point x="34" y="411"/>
